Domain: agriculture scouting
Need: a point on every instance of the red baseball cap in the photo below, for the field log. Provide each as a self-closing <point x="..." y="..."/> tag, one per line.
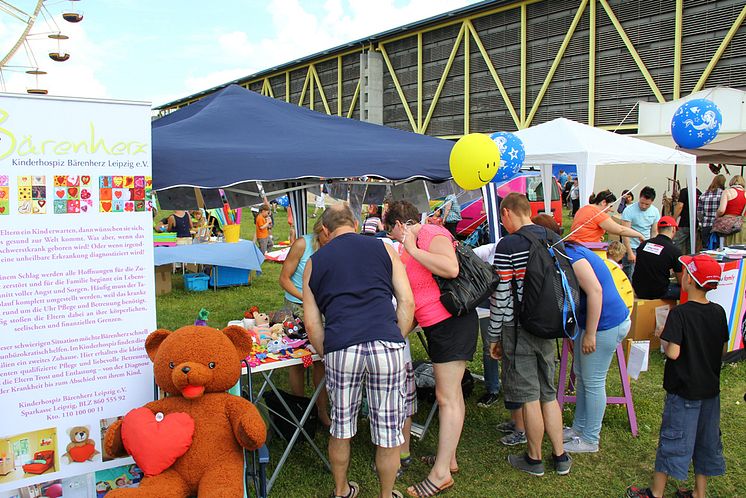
<point x="703" y="269"/>
<point x="667" y="221"/>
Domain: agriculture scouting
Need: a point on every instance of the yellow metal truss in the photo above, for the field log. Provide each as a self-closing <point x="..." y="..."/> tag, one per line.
<point x="525" y="111"/>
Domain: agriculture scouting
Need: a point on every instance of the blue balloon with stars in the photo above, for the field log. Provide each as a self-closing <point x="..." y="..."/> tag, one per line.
<point x="512" y="155"/>
<point x="696" y="123"/>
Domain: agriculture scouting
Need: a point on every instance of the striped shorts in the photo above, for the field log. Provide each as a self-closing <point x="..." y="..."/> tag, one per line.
<point x="380" y="365"/>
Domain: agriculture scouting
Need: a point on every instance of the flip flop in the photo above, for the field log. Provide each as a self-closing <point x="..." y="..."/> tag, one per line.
<point x="396" y="494"/>
<point x="427" y="488"/>
<point x="354" y="491"/>
<point x="429" y="460"/>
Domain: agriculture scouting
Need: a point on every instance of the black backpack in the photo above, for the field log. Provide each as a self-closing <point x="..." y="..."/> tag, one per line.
<point x="550" y="290"/>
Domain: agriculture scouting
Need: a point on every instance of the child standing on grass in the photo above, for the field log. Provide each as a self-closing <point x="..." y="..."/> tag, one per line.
<point x="695" y="339"/>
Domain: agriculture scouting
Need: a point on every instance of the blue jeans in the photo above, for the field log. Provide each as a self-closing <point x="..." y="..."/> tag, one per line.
<point x="627" y="266"/>
<point x="490" y="365"/>
<point x="590" y="382"/>
<point x="690" y="431"/>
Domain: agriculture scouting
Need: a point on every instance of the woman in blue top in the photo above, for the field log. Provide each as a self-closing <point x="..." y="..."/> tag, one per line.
<point x="291" y="280"/>
<point x="604" y="321"/>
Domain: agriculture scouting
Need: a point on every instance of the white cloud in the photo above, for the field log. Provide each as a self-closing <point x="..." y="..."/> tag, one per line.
<point x="297" y="33"/>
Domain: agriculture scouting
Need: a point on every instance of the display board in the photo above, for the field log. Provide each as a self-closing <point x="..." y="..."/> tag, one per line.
<point x="76" y="288"/>
<point x="729" y="294"/>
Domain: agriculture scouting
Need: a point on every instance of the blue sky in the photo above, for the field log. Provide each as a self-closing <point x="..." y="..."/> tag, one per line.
<point x="160" y="50"/>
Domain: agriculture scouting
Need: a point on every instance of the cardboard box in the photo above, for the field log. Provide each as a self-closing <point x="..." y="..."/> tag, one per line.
<point x="643" y="320"/>
<point x="163" y="279"/>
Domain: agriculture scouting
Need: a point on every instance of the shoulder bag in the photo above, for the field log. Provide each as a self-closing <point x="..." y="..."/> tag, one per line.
<point x="729" y="224"/>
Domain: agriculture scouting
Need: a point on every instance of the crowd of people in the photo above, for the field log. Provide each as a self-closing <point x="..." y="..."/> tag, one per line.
<point x="395" y="291"/>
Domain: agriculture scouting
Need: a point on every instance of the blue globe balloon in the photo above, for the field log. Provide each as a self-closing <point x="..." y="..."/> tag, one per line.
<point x="696" y="123"/>
<point x="512" y="155"/>
<point x="283" y="201"/>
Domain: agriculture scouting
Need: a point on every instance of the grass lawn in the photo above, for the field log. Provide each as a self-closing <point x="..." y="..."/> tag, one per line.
<point x="623" y="459"/>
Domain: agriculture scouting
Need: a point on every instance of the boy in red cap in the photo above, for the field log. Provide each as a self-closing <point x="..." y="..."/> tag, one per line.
<point x="695" y="339"/>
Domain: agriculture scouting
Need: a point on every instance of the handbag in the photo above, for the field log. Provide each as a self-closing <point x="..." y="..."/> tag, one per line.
<point x="728" y="224"/>
<point x="475" y="282"/>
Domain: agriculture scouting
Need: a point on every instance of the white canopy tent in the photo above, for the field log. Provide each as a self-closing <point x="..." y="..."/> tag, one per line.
<point x="568" y="142"/>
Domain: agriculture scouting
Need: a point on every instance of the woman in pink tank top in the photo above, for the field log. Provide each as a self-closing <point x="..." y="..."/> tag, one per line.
<point x="451" y="340"/>
<point x="732" y="203"/>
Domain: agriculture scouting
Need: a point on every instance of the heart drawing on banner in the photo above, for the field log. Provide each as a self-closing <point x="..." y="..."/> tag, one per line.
<point x="2" y="209"/>
<point x="2" y="194"/>
<point x="73" y="191"/>
<point x="41" y="203"/>
<point x="118" y="194"/>
<point x="85" y="194"/>
<point x="106" y="206"/>
<point x="85" y="179"/>
<point x="156" y="441"/>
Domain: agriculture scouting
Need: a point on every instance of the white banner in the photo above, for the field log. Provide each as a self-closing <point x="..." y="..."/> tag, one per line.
<point x="76" y="285"/>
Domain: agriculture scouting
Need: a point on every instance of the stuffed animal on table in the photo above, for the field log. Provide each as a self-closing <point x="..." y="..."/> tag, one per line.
<point x="279" y="347"/>
<point x="191" y="442"/>
<point x="264" y="331"/>
<point x="81" y="447"/>
<point x="202" y="317"/>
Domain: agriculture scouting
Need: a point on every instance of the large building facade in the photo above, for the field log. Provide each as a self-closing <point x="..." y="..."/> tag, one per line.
<point x="507" y="65"/>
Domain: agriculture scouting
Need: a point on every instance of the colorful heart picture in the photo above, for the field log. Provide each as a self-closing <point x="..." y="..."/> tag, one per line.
<point x="118" y="194"/>
<point x="24" y="181"/>
<point x="60" y="193"/>
<point x="139" y="182"/>
<point x="85" y="180"/>
<point x="60" y="181"/>
<point x="105" y="206"/>
<point x="118" y="181"/>
<point x="38" y="192"/>
<point x="24" y="207"/>
<point x="72" y="192"/>
<point x="129" y="181"/>
<point x="129" y="206"/>
<point x="24" y="193"/>
<point x="39" y="207"/>
<point x="3" y="180"/>
<point x="72" y="181"/>
<point x="85" y="194"/>
<point x="104" y="182"/>
<point x="105" y="194"/>
<point x="2" y="209"/>
<point x="39" y="180"/>
<point x="3" y="194"/>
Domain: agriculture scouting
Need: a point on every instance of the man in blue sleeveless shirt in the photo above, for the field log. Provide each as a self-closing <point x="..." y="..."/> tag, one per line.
<point x="350" y="281"/>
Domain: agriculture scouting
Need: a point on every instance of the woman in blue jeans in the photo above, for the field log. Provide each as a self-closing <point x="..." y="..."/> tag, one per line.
<point x="604" y="321"/>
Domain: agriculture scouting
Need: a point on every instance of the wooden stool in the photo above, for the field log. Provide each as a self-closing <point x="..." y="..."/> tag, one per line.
<point x="626" y="399"/>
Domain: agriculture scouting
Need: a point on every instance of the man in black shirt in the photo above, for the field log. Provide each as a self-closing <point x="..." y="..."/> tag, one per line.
<point x="656" y="258"/>
<point x="695" y="339"/>
<point x="681" y="211"/>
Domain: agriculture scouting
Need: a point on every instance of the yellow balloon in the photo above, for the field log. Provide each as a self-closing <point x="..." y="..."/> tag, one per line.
<point x="474" y="161"/>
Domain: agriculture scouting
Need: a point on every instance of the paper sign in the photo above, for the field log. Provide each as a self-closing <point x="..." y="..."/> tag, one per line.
<point x="76" y="281"/>
<point x="638" y="358"/>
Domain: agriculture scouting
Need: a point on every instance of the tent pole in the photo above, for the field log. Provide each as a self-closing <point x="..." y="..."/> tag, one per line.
<point x="200" y="199"/>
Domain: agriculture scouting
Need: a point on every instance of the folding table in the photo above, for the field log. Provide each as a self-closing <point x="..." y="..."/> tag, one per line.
<point x="267" y="370"/>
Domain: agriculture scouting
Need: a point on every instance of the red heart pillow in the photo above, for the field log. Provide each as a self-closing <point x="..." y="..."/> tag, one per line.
<point x="156" y="441"/>
<point x="82" y="453"/>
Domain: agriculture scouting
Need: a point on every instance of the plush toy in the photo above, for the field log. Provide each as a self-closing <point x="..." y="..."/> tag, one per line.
<point x="280" y="316"/>
<point x="202" y="317"/>
<point x="262" y="327"/>
<point x="279" y="347"/>
<point x="81" y="447"/>
<point x="191" y="441"/>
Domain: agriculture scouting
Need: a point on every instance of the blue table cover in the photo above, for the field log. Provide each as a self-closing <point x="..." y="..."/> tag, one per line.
<point x="242" y="254"/>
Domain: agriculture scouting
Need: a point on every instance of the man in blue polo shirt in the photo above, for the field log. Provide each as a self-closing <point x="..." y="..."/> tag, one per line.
<point x="643" y="217"/>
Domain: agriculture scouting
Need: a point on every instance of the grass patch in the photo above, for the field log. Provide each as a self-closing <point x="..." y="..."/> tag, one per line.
<point x="623" y="459"/>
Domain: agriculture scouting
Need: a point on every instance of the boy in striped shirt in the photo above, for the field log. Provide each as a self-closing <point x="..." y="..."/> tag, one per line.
<point x="528" y="361"/>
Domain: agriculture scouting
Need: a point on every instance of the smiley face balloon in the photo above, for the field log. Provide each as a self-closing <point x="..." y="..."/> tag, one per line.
<point x="474" y="161"/>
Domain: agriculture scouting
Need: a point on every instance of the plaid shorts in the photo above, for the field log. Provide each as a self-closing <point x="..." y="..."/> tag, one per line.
<point x="410" y="403"/>
<point x="380" y="365"/>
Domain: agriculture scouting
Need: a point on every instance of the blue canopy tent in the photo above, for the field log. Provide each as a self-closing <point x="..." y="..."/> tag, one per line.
<point x="235" y="138"/>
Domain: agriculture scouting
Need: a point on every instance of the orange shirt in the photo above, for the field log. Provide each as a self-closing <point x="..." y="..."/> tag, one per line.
<point x="261" y="233"/>
<point x="590" y="231"/>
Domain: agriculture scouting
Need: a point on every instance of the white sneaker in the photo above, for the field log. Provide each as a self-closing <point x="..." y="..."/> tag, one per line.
<point x="568" y="434"/>
<point x="577" y="445"/>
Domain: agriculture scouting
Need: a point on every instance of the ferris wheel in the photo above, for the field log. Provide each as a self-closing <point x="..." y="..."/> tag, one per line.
<point x="23" y="23"/>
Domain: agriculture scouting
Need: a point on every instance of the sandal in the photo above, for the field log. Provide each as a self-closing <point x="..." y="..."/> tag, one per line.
<point x="426" y="488"/>
<point x="354" y="491"/>
<point x="396" y="494"/>
<point x="429" y="460"/>
<point x="684" y="493"/>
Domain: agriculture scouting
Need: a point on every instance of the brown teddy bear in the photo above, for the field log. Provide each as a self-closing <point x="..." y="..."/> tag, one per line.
<point x="194" y="366"/>
<point x="81" y="447"/>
